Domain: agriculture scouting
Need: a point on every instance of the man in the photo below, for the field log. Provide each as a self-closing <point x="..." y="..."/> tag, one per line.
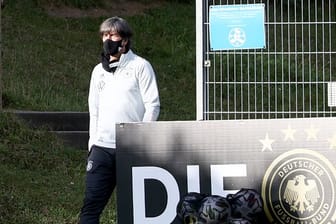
<point x="123" y="88"/>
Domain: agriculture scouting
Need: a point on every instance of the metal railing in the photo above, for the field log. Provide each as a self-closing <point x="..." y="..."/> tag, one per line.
<point x="293" y="77"/>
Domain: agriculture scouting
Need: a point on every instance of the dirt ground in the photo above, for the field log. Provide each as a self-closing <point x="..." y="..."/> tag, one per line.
<point x="113" y="7"/>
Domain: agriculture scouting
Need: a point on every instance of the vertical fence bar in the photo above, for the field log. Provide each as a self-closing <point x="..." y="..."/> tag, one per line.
<point x="199" y="62"/>
<point x="296" y="59"/>
<point x="323" y="60"/>
<point x="282" y="63"/>
<point x="289" y="61"/>
<point x="330" y="48"/>
<point x="207" y="58"/>
<point x="317" y="48"/>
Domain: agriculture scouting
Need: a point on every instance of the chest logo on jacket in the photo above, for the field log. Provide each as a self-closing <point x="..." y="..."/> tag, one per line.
<point x="101" y="85"/>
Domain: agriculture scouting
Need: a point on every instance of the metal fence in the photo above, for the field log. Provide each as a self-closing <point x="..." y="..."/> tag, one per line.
<point x="293" y="77"/>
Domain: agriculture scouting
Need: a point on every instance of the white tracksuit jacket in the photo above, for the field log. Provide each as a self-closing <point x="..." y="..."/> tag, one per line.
<point x="130" y="94"/>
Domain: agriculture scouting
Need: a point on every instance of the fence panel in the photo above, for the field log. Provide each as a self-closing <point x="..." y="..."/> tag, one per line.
<point x="293" y="77"/>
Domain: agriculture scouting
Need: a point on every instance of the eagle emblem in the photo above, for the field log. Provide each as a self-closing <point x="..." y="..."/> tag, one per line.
<point x="301" y="194"/>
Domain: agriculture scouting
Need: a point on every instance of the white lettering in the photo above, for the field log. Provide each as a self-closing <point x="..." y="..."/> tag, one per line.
<point x="193" y="178"/>
<point x="218" y="172"/>
<point x="139" y="175"/>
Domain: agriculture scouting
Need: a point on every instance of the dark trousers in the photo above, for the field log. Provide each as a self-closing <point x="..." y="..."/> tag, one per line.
<point x="100" y="183"/>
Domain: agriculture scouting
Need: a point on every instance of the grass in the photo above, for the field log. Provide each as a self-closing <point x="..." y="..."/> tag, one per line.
<point x="41" y="180"/>
<point x="47" y="62"/>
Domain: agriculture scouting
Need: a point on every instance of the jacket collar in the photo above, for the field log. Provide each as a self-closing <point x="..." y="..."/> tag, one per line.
<point x="125" y="58"/>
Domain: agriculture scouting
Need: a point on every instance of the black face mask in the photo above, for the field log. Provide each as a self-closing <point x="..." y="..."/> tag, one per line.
<point x="111" y="47"/>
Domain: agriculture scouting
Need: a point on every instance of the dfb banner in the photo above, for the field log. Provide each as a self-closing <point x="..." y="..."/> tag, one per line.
<point x="291" y="162"/>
